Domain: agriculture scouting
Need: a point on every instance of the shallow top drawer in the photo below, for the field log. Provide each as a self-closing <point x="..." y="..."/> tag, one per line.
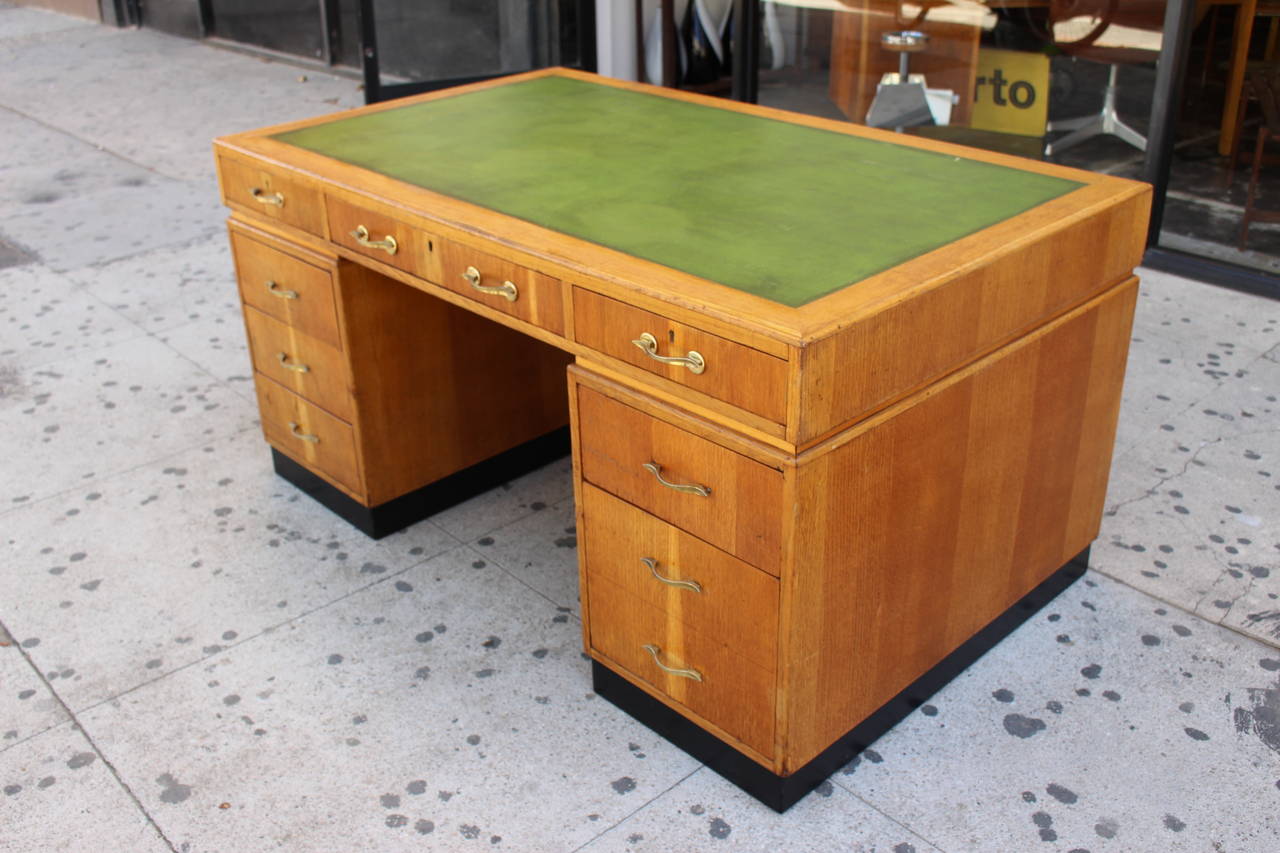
<point x="383" y="238"/>
<point x="292" y="291"/>
<point x="724" y="369"/>
<point x="503" y="286"/>
<point x="271" y="194"/>
<point x="720" y="496"/>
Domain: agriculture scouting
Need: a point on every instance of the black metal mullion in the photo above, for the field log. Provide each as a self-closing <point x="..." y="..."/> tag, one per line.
<point x="330" y="31"/>
<point x="587" y="35"/>
<point x="1178" y="23"/>
<point x="369" y="53"/>
<point x="746" y="50"/>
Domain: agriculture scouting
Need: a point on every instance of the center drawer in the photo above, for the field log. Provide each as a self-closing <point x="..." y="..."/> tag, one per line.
<point x="686" y="578"/>
<point x="720" y="496"/>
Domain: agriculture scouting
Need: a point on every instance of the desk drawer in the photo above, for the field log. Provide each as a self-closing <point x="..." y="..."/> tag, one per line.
<point x="733" y="693"/>
<point x="732" y="372"/>
<point x="292" y="291"/>
<point x="383" y="238"/>
<point x="520" y="292"/>
<point x="301" y="363"/>
<point x="733" y="602"/>
<point x="308" y="434"/>
<point x="272" y="195"/>
<point x="742" y="510"/>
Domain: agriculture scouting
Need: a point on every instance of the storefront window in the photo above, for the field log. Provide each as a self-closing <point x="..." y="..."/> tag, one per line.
<point x="1069" y="81"/>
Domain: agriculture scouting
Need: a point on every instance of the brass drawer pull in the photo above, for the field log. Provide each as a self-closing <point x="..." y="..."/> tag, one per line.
<point x="263" y="197"/>
<point x="693" y="360"/>
<point x="275" y="290"/>
<point x="506" y="290"/>
<point x="688" y="488"/>
<point x="387" y="244"/>
<point x="653" y="567"/>
<point x="283" y="358"/>
<point x="305" y="436"/>
<point x="691" y="674"/>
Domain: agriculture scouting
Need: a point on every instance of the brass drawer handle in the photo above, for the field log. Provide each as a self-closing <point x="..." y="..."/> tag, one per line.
<point x="506" y="290"/>
<point x="263" y="197"/>
<point x="693" y="360"/>
<point x="387" y="244"/>
<point x="688" y="488"/>
<point x="691" y="674"/>
<point x="283" y="358"/>
<point x="653" y="567"/>
<point x="275" y="290"/>
<point x="305" y="436"/>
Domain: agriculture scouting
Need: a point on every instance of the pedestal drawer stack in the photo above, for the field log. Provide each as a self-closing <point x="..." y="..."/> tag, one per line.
<point x="681" y="547"/>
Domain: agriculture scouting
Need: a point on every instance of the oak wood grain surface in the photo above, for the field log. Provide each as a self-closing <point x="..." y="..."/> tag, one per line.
<point x="286" y="417"/>
<point x="734" y="693"/>
<point x="539" y="299"/>
<point x="914" y="533"/>
<point x="439" y="388"/>
<point x="303" y="364"/>
<point x="252" y="188"/>
<point x="292" y="291"/>
<point x="737" y="374"/>
<point x="742" y="514"/>
<point x="734" y="602"/>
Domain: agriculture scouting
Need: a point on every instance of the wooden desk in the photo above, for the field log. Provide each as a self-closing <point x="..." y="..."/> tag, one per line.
<point x="839" y="399"/>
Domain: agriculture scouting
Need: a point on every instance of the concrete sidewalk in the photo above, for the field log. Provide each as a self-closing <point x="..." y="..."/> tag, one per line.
<point x="195" y="657"/>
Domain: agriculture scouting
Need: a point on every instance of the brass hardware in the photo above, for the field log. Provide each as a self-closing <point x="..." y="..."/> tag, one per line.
<point x="267" y="198"/>
<point x="691" y="674"/>
<point x="387" y="244"/>
<point x="507" y="289"/>
<point x="283" y="294"/>
<point x="688" y="488"/>
<point x="693" y="360"/>
<point x="305" y="436"/>
<point x="653" y="567"/>
<point x="296" y="368"/>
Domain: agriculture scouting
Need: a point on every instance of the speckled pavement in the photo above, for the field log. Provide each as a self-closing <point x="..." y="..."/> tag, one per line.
<point x="194" y="657"/>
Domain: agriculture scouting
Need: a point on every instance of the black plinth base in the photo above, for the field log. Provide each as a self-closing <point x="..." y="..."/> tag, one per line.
<point x="782" y="792"/>
<point x="399" y="513"/>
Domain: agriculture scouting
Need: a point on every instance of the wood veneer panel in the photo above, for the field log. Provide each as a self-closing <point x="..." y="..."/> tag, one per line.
<point x="294" y="292"/>
<point x="538" y="297"/>
<point x="325" y="382"/>
<point x="971" y="315"/>
<point x="736" y="374"/>
<point x="741" y="515"/>
<point x="736" y="603"/>
<point x="332" y="454"/>
<point x="416" y="252"/>
<point x="246" y="184"/>
<point x="734" y="694"/>
<point x="437" y="388"/>
<point x="932" y="521"/>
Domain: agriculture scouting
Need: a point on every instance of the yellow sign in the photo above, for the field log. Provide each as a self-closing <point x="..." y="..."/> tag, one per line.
<point x="1011" y="92"/>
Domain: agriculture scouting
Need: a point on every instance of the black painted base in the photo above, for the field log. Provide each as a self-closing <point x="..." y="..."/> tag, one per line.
<point x="782" y="792"/>
<point x="399" y="513"/>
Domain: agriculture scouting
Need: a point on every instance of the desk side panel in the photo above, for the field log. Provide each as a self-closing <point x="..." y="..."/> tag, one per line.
<point x="933" y="520"/>
<point x="888" y="352"/>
